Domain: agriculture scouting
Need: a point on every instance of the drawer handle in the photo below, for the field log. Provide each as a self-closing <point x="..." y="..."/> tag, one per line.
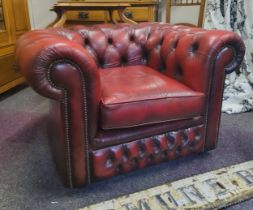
<point x="15" y="67"/>
<point x="128" y="14"/>
<point x="83" y="15"/>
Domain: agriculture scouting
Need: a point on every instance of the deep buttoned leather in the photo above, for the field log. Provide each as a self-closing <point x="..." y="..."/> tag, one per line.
<point x="140" y="153"/>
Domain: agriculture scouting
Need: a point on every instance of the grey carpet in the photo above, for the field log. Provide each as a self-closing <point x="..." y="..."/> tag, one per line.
<point x="29" y="180"/>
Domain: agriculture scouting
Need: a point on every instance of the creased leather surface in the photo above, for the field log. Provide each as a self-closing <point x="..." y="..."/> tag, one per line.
<point x="51" y="58"/>
<point x="146" y="94"/>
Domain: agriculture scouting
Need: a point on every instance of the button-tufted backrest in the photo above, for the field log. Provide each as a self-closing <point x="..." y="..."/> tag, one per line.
<point x="184" y="53"/>
<point x="151" y="44"/>
<point x="124" y="44"/>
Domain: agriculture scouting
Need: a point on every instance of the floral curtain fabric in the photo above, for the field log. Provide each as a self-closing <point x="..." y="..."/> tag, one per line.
<point x="237" y="16"/>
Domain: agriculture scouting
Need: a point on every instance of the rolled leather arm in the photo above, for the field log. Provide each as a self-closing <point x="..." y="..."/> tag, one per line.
<point x="38" y="52"/>
<point x="200" y="58"/>
<point x="64" y="71"/>
<point x="192" y="54"/>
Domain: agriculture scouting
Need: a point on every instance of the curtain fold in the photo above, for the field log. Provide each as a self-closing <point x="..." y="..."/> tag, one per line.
<point x="237" y="16"/>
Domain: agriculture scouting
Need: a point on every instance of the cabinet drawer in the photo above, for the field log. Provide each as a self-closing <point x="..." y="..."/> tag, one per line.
<point x="84" y="15"/>
<point x="138" y="14"/>
<point x="7" y="72"/>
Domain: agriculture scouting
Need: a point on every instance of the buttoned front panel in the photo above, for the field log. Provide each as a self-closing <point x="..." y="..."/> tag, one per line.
<point x="127" y="157"/>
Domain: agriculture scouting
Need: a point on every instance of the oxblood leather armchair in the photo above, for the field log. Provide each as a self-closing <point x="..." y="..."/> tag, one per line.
<point x="127" y="96"/>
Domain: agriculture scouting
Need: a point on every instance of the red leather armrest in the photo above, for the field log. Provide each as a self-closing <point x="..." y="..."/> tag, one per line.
<point x="192" y="54"/>
<point x="200" y="58"/>
<point x="38" y="52"/>
<point x="57" y="66"/>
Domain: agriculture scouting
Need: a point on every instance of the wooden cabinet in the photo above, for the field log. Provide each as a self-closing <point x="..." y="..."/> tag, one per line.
<point x="140" y="11"/>
<point x="14" y="21"/>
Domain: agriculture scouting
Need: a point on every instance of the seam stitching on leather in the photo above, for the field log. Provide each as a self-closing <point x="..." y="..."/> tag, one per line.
<point x="201" y="95"/>
<point x="67" y="123"/>
<point x="222" y="89"/>
<point x="151" y="123"/>
<point x="209" y="96"/>
<point x="86" y="143"/>
<point x="66" y="113"/>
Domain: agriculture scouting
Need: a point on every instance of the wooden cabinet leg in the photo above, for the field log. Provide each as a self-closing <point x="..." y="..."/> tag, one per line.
<point x="124" y="18"/>
<point x="60" y="19"/>
<point x="114" y="16"/>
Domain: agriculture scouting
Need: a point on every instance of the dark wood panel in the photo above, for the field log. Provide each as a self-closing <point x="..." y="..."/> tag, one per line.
<point x="14" y="21"/>
<point x="7" y="71"/>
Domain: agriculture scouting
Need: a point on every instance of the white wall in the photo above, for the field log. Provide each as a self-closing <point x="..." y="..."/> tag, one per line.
<point x="187" y="14"/>
<point x="182" y="14"/>
<point x="40" y="14"/>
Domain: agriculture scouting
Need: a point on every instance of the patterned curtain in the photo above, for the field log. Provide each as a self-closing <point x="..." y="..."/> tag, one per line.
<point x="237" y="16"/>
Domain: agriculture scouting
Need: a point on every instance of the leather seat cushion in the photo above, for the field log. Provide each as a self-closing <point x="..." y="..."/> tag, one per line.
<point x="138" y="95"/>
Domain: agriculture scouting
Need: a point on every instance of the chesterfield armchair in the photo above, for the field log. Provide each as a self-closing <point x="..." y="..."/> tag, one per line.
<point x="123" y="97"/>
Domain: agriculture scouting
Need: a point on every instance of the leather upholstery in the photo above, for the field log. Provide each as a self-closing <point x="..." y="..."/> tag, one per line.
<point x="123" y="158"/>
<point x="112" y="137"/>
<point x="148" y="95"/>
<point x="69" y="66"/>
